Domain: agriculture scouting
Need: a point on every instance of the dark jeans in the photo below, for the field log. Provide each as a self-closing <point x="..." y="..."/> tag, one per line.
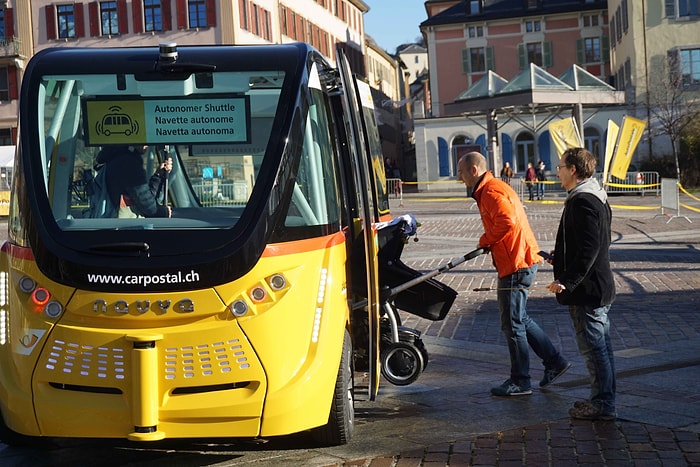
<point x="593" y="338"/>
<point x="531" y="189"/>
<point x="521" y="331"/>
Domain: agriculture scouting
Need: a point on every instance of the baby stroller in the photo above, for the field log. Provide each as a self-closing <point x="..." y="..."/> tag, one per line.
<point x="403" y="355"/>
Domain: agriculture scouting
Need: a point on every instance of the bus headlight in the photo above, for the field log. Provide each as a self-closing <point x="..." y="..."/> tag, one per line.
<point x="277" y="282"/>
<point x="53" y="309"/>
<point x="239" y="308"/>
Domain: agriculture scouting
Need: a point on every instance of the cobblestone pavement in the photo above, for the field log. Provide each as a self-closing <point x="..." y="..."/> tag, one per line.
<point x="448" y="418"/>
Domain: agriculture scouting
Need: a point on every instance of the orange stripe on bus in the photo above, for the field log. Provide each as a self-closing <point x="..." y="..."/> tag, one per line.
<point x="17" y="251"/>
<point x="303" y="246"/>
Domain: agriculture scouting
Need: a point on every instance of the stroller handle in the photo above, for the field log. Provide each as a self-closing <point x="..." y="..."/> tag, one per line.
<point x="423" y="277"/>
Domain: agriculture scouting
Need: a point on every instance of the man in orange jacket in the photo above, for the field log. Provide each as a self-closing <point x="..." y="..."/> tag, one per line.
<point x="514" y="251"/>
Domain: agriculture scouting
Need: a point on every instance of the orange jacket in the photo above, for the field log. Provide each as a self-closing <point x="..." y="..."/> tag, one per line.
<point x="507" y="232"/>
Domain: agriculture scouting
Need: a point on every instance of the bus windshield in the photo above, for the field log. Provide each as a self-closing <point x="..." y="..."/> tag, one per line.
<point x="214" y="126"/>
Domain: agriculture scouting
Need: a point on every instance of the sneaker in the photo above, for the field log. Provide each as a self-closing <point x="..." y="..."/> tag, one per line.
<point x="550" y="375"/>
<point x="509" y="388"/>
<point x="588" y="411"/>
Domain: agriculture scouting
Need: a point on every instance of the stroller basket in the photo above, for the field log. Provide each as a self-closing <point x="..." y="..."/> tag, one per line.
<point x="429" y="299"/>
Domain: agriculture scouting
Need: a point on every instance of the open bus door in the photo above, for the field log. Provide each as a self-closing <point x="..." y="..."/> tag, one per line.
<point x="363" y="226"/>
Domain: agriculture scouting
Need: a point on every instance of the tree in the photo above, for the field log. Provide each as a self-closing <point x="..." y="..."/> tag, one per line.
<point x="674" y="102"/>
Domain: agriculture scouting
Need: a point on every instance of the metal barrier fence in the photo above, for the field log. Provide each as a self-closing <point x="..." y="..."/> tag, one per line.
<point x="394" y="186"/>
<point x="641" y="183"/>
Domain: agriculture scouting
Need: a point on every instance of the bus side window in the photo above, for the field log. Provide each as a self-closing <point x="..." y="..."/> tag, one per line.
<point x="315" y="200"/>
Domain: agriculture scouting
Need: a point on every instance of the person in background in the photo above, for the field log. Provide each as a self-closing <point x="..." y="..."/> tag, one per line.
<point x="507" y="172"/>
<point x="583" y="279"/>
<point x="514" y="251"/>
<point x="128" y="186"/>
<point x="530" y="177"/>
<point x="541" y="177"/>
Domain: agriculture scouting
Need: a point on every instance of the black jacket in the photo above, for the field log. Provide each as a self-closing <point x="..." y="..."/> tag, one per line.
<point x="126" y="176"/>
<point x="581" y="255"/>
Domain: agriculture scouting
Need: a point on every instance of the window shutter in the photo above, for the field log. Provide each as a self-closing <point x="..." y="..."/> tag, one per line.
<point x="14" y="135"/>
<point x="167" y="15"/>
<point x="522" y="56"/>
<point x="9" y="24"/>
<point x="181" y="14"/>
<point x="670" y="8"/>
<point x="580" y="52"/>
<point x="605" y="48"/>
<point x="211" y="13"/>
<point x="547" y="59"/>
<point x="122" y="17"/>
<point x="137" y="15"/>
<point x="94" y="19"/>
<point x="242" y="14"/>
<point x="12" y="82"/>
<point x="673" y="58"/>
<point x="50" y="12"/>
<point x="466" y="63"/>
<point x="490" y="64"/>
<point x="79" y="20"/>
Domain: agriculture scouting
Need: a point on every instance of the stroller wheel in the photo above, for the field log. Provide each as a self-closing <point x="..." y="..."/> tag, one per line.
<point x="402" y="363"/>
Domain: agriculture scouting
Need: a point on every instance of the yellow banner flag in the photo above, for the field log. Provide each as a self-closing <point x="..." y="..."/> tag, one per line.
<point x="630" y="134"/>
<point x="565" y="135"/>
<point x="613" y="132"/>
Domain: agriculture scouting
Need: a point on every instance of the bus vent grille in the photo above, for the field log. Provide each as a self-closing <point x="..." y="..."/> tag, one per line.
<point x="86" y="360"/>
<point x="205" y="359"/>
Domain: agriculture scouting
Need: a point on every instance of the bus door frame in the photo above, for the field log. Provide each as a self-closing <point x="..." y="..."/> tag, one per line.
<point x="358" y="144"/>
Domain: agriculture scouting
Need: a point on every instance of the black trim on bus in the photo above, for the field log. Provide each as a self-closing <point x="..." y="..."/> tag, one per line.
<point x="215" y="255"/>
<point x="81" y="388"/>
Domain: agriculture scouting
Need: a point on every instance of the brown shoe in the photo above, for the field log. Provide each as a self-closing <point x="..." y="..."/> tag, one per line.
<point x="587" y="411"/>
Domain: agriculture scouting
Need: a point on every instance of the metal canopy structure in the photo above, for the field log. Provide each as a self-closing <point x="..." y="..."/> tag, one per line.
<point x="532" y="92"/>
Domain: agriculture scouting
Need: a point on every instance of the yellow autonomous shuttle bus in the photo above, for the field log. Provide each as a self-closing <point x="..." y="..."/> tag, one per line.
<point x="244" y="313"/>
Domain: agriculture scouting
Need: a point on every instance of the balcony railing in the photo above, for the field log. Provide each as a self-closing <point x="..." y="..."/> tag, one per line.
<point x="9" y="47"/>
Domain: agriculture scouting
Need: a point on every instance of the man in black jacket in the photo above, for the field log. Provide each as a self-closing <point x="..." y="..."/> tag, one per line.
<point x="583" y="278"/>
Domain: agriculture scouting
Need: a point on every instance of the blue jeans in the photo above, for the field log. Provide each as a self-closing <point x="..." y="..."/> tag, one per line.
<point x="540" y="190"/>
<point x="593" y="338"/>
<point x="520" y="330"/>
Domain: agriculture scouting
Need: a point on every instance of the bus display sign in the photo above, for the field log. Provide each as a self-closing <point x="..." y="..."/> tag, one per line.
<point x="167" y="121"/>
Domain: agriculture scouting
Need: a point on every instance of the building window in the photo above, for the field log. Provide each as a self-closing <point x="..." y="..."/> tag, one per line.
<point x="591" y="137"/>
<point x="533" y="26"/>
<point x="613" y="32"/>
<point x="591" y="46"/>
<point x="539" y="53"/>
<point x="475" y="7"/>
<point x="109" y="18"/>
<point x="534" y="53"/>
<point x="4" y="85"/>
<point x="625" y="18"/>
<point x="690" y="67"/>
<point x="197" y="12"/>
<point x="65" y="15"/>
<point x="590" y="21"/>
<point x="525" y="149"/>
<point x="2" y="24"/>
<point x="476" y="31"/>
<point x="477" y="59"/>
<point x="152" y="15"/>
<point x="530" y="4"/>
<point x="682" y="8"/>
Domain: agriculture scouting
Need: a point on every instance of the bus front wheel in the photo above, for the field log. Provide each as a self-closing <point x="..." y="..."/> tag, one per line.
<point x="341" y="420"/>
